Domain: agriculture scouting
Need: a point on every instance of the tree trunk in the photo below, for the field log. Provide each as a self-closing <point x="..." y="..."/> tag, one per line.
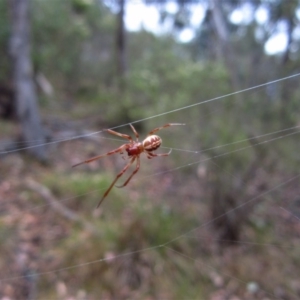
<point x="226" y="49"/>
<point x="26" y="97"/>
<point x="121" y="45"/>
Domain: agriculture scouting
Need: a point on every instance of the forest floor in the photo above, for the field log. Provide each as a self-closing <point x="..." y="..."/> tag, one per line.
<point x="146" y="241"/>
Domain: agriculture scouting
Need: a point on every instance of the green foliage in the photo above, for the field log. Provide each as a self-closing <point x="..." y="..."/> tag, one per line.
<point x="57" y="44"/>
<point x="61" y="48"/>
<point x="4" y="41"/>
<point x="81" y="6"/>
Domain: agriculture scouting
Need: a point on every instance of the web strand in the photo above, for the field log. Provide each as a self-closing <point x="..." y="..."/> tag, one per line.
<point x="185" y="165"/>
<point x="155" y="116"/>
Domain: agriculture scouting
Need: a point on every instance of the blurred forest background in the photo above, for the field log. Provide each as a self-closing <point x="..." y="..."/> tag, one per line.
<point x="217" y="219"/>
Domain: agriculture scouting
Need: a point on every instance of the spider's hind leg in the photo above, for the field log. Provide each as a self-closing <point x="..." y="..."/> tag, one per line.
<point x="151" y="155"/>
<point x="115" y="180"/>
<point x="133" y="173"/>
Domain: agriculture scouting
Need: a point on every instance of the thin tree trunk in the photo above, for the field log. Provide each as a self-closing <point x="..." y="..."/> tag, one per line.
<point x="226" y="49"/>
<point x="26" y="97"/>
<point x="121" y="45"/>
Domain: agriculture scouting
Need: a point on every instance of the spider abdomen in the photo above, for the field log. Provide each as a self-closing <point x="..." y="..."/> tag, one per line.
<point x="152" y="142"/>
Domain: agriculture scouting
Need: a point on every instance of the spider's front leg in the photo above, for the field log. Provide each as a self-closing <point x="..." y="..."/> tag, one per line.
<point x="135" y="132"/>
<point x="162" y="127"/>
<point x="120" y="149"/>
<point x="122" y="135"/>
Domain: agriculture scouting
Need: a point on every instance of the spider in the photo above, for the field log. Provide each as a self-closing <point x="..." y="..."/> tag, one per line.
<point x="134" y="149"/>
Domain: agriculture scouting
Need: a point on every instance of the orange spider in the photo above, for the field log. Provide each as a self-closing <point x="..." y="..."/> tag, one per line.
<point x="134" y="149"/>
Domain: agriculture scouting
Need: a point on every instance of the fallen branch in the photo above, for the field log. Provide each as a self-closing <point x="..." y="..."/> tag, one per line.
<point x="59" y="207"/>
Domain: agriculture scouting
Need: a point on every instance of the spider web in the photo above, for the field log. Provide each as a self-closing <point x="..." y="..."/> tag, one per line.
<point x="192" y="233"/>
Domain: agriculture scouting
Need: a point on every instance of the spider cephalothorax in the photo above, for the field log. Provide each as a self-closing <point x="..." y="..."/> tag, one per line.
<point x="134" y="149"/>
<point x="148" y="145"/>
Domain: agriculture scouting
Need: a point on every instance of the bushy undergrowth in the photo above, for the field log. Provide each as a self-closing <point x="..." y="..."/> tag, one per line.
<point x="148" y="240"/>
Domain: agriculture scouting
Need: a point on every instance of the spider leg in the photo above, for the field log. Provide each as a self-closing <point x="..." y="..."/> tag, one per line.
<point x="150" y="154"/>
<point x="135" y="132"/>
<point x="117" y="177"/>
<point x="124" y="136"/>
<point x="120" y="149"/>
<point x="165" y="126"/>
<point x="133" y="173"/>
